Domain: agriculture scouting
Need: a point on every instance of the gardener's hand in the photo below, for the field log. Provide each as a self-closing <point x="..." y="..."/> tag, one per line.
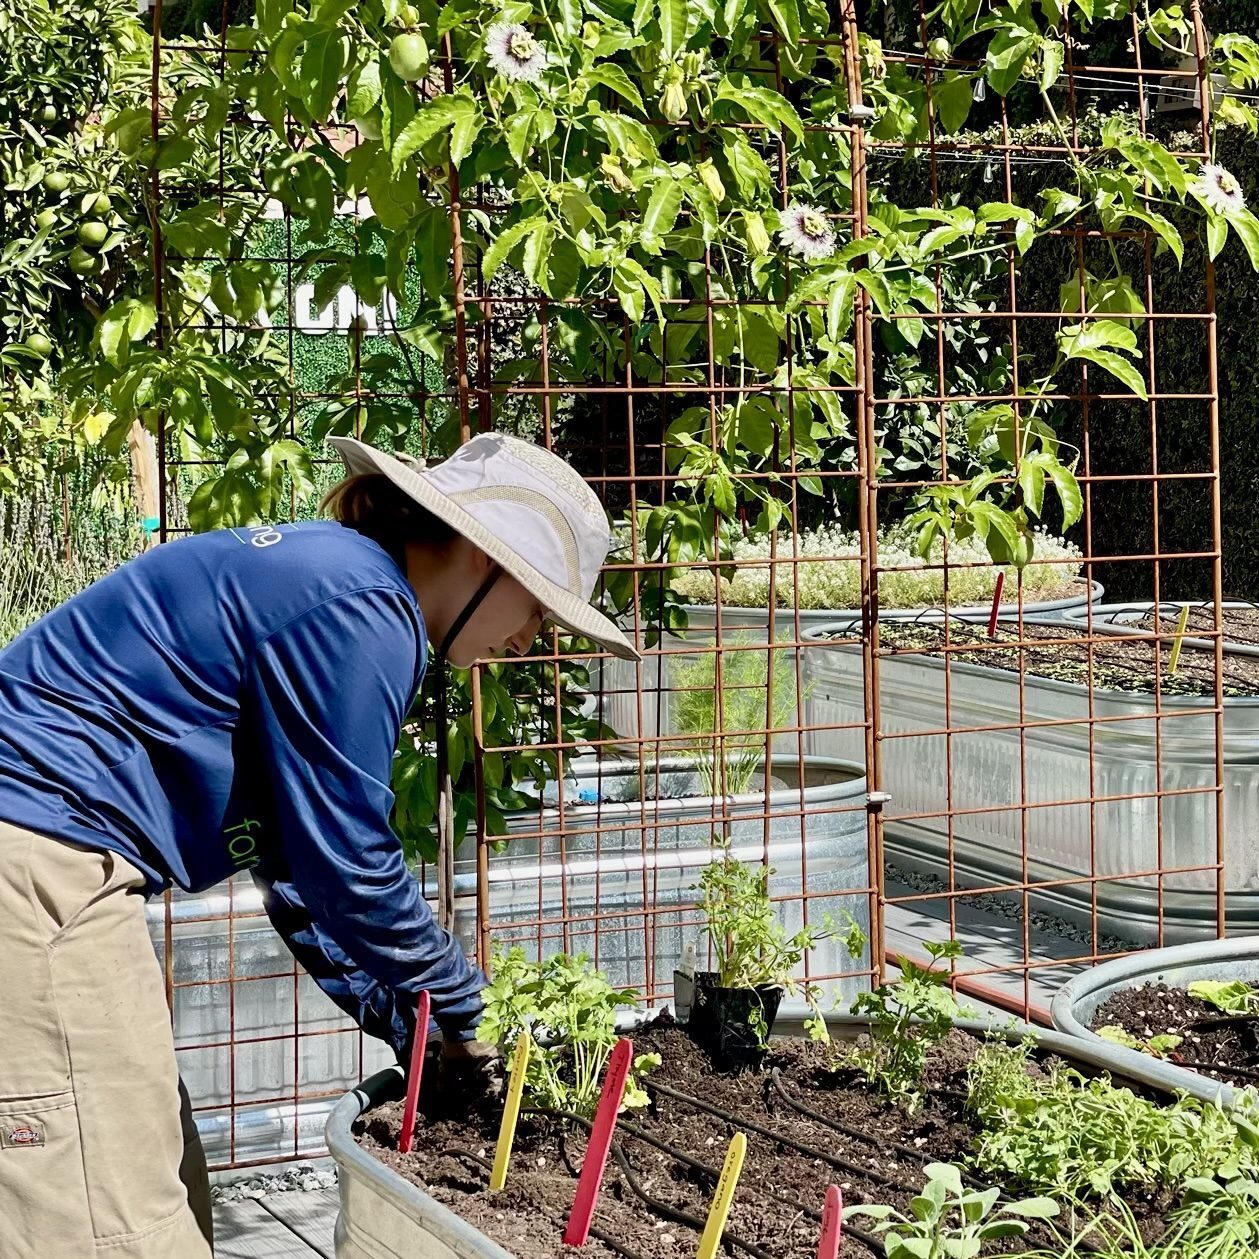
<point x="470" y="1076"/>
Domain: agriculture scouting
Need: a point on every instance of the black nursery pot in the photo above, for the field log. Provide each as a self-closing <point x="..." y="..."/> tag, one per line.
<point x="724" y="1021"/>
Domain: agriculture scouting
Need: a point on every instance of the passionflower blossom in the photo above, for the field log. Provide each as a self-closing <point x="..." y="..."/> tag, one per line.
<point x="514" y="53"/>
<point x="807" y="232"/>
<point x="1219" y="189"/>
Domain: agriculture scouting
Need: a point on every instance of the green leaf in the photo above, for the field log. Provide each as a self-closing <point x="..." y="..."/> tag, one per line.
<point x="786" y="17"/>
<point x="1217" y="234"/>
<point x="126" y="321"/>
<point x="364" y="90"/>
<point x="1032" y="483"/>
<point x="661" y="213"/>
<point x="393" y="197"/>
<point x="1007" y="54"/>
<point x="1246" y="226"/>
<point x="761" y="104"/>
<point x="952" y="96"/>
<point x="537" y="253"/>
<point x="750" y="171"/>
<point x="507" y="240"/>
<point x="1117" y="366"/>
<point x="1053" y="54"/>
<point x="611" y="76"/>
<point x="1069" y="494"/>
<point x="323" y="64"/>
<point x="445" y="112"/>
<point x="672" y="15"/>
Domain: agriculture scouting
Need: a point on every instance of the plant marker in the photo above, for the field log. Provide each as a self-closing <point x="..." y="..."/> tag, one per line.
<point x="1182" y="623"/>
<point x="832" y="1224"/>
<point x="578" y="1231"/>
<point x="418" y="1045"/>
<point x="996" y="604"/>
<point x="719" y="1212"/>
<point x="511" y="1110"/>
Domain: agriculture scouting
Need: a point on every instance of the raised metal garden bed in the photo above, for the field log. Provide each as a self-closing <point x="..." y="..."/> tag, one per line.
<point x="384" y="1216"/>
<point x="663" y="674"/>
<point x="1121" y="619"/>
<point x="1075" y="1004"/>
<point x="1116" y="775"/>
<point x="627" y="863"/>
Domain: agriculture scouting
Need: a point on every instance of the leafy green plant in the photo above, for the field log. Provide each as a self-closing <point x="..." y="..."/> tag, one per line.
<point x="908" y="1019"/>
<point x="949" y="1221"/>
<point x="751" y="948"/>
<point x="1063" y="1133"/>
<point x="569" y="1010"/>
<point x="1160" y="1046"/>
<point x="1233" y="996"/>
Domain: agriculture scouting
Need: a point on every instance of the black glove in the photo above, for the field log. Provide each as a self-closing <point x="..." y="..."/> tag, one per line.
<point x="469" y="1076"/>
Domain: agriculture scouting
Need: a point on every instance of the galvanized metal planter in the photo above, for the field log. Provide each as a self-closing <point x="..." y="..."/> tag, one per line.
<point x="1076" y="1003"/>
<point x="662" y="674"/>
<point x="1119" y="619"/>
<point x="627" y="865"/>
<point x="1122" y="769"/>
<point x="384" y="1216"/>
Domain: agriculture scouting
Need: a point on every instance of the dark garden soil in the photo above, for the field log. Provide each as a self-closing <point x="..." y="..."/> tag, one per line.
<point x="1240" y="625"/>
<point x="1117" y="663"/>
<point x="660" y="1181"/>
<point x="1221" y="1046"/>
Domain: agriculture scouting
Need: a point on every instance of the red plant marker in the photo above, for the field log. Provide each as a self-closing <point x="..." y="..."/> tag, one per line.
<point x="418" y="1046"/>
<point x="996" y="605"/>
<point x="832" y="1224"/>
<point x="578" y="1231"/>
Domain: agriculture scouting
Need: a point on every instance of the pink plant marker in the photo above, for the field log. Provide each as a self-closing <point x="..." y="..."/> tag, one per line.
<point x="996" y="605"/>
<point x="418" y="1046"/>
<point x="578" y="1231"/>
<point x="832" y="1224"/>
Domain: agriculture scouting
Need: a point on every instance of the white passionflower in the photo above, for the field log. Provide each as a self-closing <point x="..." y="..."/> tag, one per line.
<point x="806" y="231"/>
<point x="514" y="52"/>
<point x="1219" y="189"/>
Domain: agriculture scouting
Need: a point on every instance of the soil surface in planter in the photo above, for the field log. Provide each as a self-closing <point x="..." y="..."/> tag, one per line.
<point x="654" y="1201"/>
<point x="1118" y="664"/>
<point x="1241" y="625"/>
<point x="1221" y="1046"/>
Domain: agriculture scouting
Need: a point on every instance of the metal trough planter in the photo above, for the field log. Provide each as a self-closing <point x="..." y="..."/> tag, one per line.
<point x="931" y="774"/>
<point x="662" y="674"/>
<point x="625" y="866"/>
<point x="1119" y="619"/>
<point x="384" y="1216"/>
<point x="1076" y="1002"/>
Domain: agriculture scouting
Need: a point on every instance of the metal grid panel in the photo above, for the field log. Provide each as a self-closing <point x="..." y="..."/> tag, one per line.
<point x="612" y="877"/>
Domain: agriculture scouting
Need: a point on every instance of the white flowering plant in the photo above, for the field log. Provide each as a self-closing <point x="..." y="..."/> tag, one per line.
<point x="821" y="568"/>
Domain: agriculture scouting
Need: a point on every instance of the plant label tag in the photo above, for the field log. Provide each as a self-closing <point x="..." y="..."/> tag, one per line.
<point x="832" y="1224"/>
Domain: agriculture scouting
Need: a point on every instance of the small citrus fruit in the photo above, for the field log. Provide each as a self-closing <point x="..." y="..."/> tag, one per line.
<point x="39" y="344"/>
<point x="56" y="181"/>
<point x="101" y="206"/>
<point x="45" y="218"/>
<point x="93" y="233"/>
<point x="82" y="262"/>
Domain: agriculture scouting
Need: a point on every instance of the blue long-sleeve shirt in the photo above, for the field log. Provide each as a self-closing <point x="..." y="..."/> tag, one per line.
<point x="232" y="701"/>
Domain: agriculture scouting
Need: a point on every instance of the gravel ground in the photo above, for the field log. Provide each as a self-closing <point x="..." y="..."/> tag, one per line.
<point x="294" y="1179"/>
<point x="1011" y="907"/>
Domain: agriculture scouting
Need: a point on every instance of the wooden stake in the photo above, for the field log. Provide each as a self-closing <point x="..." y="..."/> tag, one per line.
<point x="578" y="1231"/>
<point x="1182" y="623"/>
<point x="719" y="1212"/>
<point x="996" y="604"/>
<point x="511" y="1110"/>
<point x="832" y="1224"/>
<point x="418" y="1044"/>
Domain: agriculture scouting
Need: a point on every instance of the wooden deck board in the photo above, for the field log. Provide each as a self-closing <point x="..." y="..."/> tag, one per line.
<point x="311" y="1214"/>
<point x="246" y="1230"/>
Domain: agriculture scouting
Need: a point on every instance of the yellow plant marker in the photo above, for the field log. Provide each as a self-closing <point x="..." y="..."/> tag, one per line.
<point x="511" y="1111"/>
<point x="719" y="1212"/>
<point x="1174" y="663"/>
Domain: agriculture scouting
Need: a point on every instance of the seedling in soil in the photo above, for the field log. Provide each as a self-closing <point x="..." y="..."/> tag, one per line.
<point x="950" y="1221"/>
<point x="733" y="1006"/>
<point x="1233" y="996"/>
<point x="908" y="1019"/>
<point x="569" y="1011"/>
<point x="1161" y="1046"/>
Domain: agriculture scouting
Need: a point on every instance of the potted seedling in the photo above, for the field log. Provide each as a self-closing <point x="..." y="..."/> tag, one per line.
<point x="755" y="959"/>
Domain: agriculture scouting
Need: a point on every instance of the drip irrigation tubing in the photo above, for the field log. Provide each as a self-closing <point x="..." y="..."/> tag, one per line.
<point x="739" y="1121"/>
<point x="868" y="1138"/>
<point x="1249" y="1073"/>
<point x="606" y="1238"/>
<point x="1217" y="1022"/>
<point x="714" y="1174"/>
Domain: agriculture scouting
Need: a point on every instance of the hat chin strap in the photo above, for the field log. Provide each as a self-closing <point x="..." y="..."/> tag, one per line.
<point x="445" y="798"/>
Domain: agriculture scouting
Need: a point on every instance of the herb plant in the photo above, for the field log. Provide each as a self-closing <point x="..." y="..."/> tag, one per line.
<point x="1160" y="1046"/>
<point x="1233" y="996"/>
<point x="569" y="1009"/>
<point x="949" y="1221"/>
<point x="908" y="1019"/>
<point x="751" y="948"/>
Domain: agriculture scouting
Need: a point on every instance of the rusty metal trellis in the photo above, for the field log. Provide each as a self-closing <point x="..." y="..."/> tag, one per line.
<point x="603" y="878"/>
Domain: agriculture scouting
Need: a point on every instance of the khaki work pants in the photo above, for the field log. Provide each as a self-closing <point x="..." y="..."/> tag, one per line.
<point x="99" y="1157"/>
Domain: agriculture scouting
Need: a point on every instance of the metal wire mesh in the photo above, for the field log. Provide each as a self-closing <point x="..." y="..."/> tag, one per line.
<point x="1043" y="815"/>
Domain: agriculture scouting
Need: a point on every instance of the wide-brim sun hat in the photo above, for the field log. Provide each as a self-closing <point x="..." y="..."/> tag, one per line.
<point x="526" y="508"/>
